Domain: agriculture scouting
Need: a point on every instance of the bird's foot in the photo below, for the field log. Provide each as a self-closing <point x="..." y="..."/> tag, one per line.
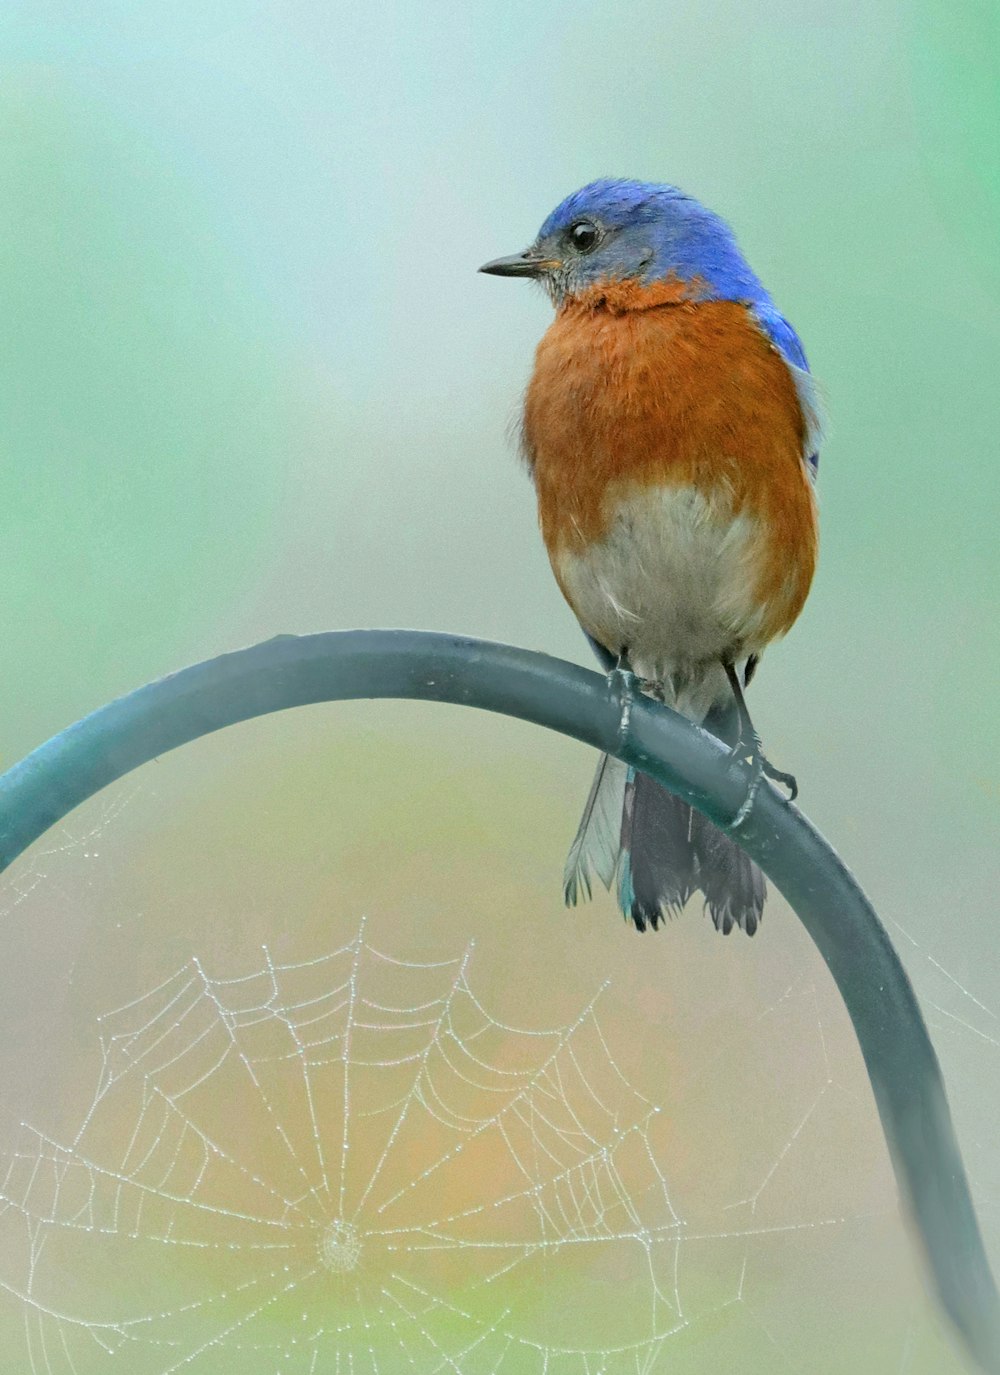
<point x="624" y="684"/>
<point x="758" y="766"/>
<point x="750" y="751"/>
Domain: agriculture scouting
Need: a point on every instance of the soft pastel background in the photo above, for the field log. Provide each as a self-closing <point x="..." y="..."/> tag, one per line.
<point x="252" y="383"/>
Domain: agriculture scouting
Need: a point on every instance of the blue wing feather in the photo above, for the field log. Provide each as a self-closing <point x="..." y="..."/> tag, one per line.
<point x="789" y="345"/>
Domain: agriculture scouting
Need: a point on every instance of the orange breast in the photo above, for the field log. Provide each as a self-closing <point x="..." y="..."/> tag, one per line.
<point x="638" y="389"/>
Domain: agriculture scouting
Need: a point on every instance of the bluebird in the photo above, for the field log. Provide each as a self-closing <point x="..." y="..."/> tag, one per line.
<point x="671" y="428"/>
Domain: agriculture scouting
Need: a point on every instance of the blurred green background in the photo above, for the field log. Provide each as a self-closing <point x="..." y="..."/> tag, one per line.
<point x="251" y="383"/>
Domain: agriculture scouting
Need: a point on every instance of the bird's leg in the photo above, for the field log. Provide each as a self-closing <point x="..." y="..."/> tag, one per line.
<point x="749" y="748"/>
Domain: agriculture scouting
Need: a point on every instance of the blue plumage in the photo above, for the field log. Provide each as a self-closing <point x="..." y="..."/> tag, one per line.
<point x="789" y="345"/>
<point x="654" y="231"/>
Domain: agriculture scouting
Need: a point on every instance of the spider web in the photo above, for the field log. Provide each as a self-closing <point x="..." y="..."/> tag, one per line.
<point x="58" y="848"/>
<point x="349" y="1164"/>
<point x="345" y="1164"/>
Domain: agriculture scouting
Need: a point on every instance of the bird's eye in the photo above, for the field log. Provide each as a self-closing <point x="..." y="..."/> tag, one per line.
<point x="583" y="235"/>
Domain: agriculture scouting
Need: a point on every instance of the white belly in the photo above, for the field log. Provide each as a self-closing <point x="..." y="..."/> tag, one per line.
<point x="672" y="583"/>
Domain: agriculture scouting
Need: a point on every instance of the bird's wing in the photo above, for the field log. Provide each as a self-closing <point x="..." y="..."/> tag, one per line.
<point x="781" y="335"/>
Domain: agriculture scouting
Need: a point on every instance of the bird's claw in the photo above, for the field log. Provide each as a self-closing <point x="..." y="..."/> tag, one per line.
<point x="787" y="780"/>
<point x="746" y="806"/>
<point x="623" y="684"/>
<point x="758" y="766"/>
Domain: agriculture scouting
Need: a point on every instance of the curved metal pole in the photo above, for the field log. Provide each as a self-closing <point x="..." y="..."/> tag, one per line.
<point x="292" y="671"/>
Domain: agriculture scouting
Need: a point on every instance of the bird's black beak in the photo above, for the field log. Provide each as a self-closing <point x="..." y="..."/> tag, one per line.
<point x="526" y="264"/>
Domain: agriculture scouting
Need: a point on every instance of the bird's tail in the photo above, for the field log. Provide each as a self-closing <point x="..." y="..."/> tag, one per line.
<point x="658" y="851"/>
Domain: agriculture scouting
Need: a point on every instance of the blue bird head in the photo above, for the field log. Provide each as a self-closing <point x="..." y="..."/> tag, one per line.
<point x="615" y="230"/>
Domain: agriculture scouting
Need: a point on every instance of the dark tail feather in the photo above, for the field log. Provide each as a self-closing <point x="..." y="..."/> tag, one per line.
<point x="657" y="869"/>
<point x="669" y="850"/>
<point x="664" y="851"/>
<point x="733" y="886"/>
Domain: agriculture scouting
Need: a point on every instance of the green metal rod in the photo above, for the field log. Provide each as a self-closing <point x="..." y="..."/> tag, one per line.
<point x="293" y="671"/>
